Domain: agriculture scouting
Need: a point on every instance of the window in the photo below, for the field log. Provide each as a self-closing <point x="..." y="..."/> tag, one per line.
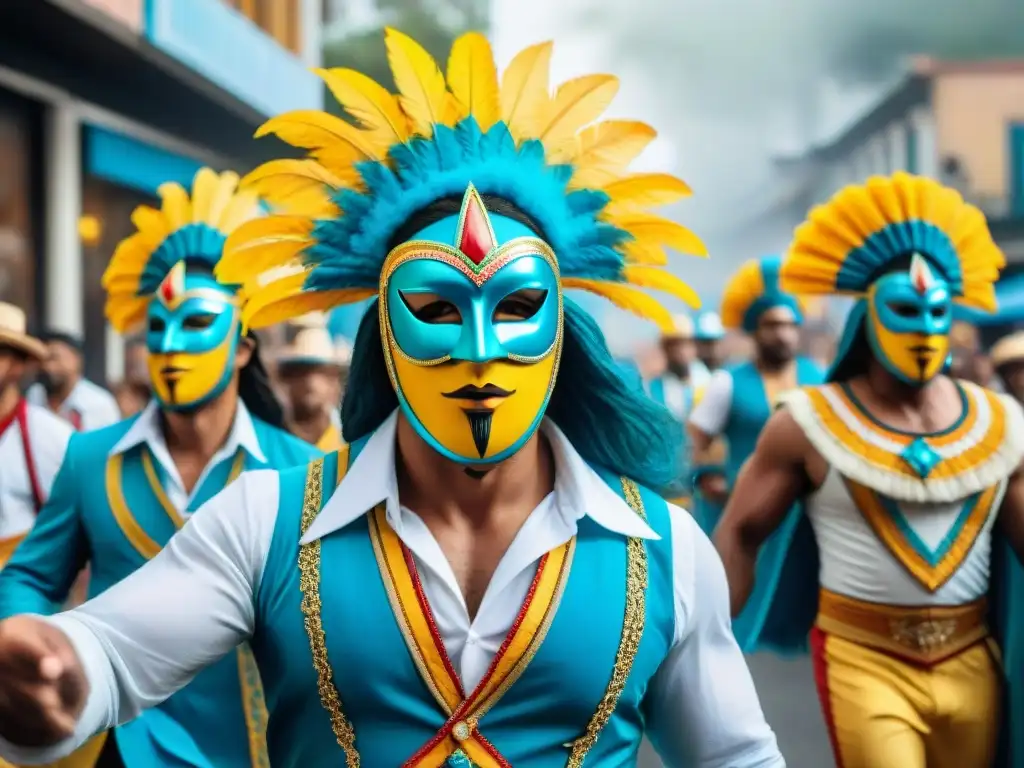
<point x="19" y="207"/>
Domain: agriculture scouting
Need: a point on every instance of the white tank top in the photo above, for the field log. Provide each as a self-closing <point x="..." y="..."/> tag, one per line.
<point x="855" y="562"/>
<point x="907" y="519"/>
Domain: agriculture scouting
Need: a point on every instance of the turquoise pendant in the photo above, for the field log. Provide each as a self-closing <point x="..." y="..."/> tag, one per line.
<point x="921" y="457"/>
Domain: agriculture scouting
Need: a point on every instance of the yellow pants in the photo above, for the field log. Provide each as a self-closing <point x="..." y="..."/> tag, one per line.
<point x="84" y="757"/>
<point x="883" y="712"/>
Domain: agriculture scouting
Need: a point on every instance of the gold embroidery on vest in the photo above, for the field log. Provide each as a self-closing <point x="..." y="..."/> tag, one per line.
<point x="632" y="633"/>
<point x="309" y="584"/>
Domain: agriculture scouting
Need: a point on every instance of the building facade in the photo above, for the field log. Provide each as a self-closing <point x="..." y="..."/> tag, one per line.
<point x="101" y="101"/>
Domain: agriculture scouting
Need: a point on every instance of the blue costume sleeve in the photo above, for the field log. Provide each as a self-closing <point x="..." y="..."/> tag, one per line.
<point x="45" y="565"/>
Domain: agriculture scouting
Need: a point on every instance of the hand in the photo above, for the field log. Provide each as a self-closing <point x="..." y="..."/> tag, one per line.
<point x="43" y="688"/>
<point x="714" y="488"/>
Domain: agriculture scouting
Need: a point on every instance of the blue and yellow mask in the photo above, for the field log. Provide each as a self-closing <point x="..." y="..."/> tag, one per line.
<point x="909" y="317"/>
<point x="471" y="318"/>
<point x="192" y="335"/>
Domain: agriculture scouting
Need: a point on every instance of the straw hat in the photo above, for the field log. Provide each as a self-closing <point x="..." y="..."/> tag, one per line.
<point x="312" y="346"/>
<point x="13" y="332"/>
<point x="1009" y="349"/>
<point x="682" y="328"/>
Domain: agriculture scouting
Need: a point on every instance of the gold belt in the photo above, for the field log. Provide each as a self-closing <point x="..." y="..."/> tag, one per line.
<point x="922" y="634"/>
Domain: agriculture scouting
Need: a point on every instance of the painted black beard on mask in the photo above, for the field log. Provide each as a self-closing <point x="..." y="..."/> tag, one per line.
<point x="480" y="425"/>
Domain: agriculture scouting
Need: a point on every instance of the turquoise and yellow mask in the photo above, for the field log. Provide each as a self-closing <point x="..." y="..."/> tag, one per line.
<point x="471" y="319"/>
<point x="909" y="317"/>
<point x="193" y="334"/>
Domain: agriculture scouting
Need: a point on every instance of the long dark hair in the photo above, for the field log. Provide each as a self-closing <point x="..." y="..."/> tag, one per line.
<point x="610" y="423"/>
<point x="255" y="391"/>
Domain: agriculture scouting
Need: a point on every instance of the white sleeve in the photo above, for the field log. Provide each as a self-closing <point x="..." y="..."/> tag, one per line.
<point x="49" y="436"/>
<point x="712" y="412"/>
<point x="702" y="707"/>
<point x="146" y="637"/>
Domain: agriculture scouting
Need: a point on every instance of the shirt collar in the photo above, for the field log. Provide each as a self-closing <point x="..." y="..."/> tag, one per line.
<point x="371" y="480"/>
<point x="146" y="430"/>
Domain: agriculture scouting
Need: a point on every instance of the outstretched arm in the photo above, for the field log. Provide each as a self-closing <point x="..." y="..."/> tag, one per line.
<point x="148" y="636"/>
<point x="771" y="480"/>
<point x="702" y="708"/>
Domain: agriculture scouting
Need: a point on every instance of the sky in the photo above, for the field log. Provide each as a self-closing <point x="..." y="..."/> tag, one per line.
<point x="732" y="84"/>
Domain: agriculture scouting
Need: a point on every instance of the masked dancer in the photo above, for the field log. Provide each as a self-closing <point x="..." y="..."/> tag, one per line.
<point x="417" y="599"/>
<point x="124" y="490"/>
<point x="913" y="489"/>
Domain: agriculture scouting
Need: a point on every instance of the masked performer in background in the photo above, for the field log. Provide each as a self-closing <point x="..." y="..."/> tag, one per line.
<point x="124" y="490"/>
<point x="911" y="481"/>
<point x="417" y="599"/>
<point x="736" y="405"/>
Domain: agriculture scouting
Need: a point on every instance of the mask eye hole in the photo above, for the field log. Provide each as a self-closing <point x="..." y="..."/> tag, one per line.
<point x="904" y="310"/>
<point x="431" y="308"/>
<point x="157" y="325"/>
<point x="938" y="312"/>
<point x="199" y="322"/>
<point x="519" y="306"/>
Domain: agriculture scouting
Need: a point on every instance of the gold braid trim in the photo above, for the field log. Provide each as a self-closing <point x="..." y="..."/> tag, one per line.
<point x="309" y="583"/>
<point x="632" y="633"/>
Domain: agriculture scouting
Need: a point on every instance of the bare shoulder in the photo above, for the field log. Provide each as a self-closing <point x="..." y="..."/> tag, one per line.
<point x="783" y="440"/>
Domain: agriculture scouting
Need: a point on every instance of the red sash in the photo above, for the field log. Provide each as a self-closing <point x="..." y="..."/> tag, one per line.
<point x="20" y="415"/>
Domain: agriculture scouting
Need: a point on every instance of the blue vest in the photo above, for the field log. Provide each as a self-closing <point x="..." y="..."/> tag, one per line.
<point x="337" y="667"/>
<point x="682" y="487"/>
<point x="107" y="513"/>
<point x="754" y="627"/>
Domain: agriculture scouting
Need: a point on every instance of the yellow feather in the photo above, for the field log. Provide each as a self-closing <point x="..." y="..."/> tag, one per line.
<point x="284" y="299"/>
<point x="204" y="187"/>
<point x="647" y="228"/>
<point x="637" y="252"/>
<point x="628" y="298"/>
<point x="175" y="204"/>
<point x="473" y="79"/>
<point x="660" y="280"/>
<point x="152" y="225"/>
<point x="126" y="313"/>
<point x="242" y="207"/>
<point x="525" y="92"/>
<point x="377" y="111"/>
<point x="297" y="185"/>
<point x="424" y="96"/>
<point x="254" y="247"/>
<point x="646" y="189"/>
<point x="330" y="139"/>
<point x="226" y="187"/>
<point x="577" y="103"/>
<point x="603" y="151"/>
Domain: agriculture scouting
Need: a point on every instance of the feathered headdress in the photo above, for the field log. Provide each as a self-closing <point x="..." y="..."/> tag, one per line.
<point x="847" y="243"/>
<point x="182" y="229"/>
<point x="753" y="288"/>
<point x="361" y="182"/>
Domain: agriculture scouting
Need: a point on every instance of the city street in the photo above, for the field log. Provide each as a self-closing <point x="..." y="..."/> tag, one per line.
<point x="786" y="687"/>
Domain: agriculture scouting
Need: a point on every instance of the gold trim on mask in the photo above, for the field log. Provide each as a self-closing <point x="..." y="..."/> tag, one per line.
<point x="479" y="274"/>
<point x="198" y="293"/>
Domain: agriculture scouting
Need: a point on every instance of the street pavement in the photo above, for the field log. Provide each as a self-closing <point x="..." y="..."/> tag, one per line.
<point x="790" y="701"/>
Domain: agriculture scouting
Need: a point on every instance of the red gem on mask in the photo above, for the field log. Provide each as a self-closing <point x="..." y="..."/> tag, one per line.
<point x="477" y="239"/>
